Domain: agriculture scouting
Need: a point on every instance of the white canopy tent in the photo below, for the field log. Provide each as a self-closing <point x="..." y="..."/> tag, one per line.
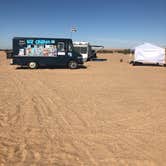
<point x="149" y="53"/>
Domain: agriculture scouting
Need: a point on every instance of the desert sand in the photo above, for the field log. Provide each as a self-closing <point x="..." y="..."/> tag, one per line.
<point x="108" y="114"/>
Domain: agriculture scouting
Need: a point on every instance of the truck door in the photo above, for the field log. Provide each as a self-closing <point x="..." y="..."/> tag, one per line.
<point x="62" y="52"/>
<point x="69" y="50"/>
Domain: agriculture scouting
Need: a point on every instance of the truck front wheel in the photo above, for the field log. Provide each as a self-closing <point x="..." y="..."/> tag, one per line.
<point x="72" y="64"/>
<point x="32" y="65"/>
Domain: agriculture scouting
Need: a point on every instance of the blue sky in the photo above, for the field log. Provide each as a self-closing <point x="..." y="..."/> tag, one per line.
<point x="112" y="23"/>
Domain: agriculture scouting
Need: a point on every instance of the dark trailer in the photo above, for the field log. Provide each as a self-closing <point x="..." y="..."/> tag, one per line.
<point x="35" y="52"/>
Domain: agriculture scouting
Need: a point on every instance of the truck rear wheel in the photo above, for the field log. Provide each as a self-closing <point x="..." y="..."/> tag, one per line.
<point x="32" y="65"/>
<point x="72" y="64"/>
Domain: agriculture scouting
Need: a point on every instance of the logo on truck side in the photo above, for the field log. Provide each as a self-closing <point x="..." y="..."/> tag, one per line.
<point x="39" y="42"/>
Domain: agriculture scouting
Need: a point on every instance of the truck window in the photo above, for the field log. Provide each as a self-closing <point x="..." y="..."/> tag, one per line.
<point x="70" y="47"/>
<point x="77" y="49"/>
<point x="61" y="46"/>
<point x="83" y="50"/>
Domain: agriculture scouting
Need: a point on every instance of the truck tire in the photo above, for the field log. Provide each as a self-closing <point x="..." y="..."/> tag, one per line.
<point x="72" y="64"/>
<point x="32" y="65"/>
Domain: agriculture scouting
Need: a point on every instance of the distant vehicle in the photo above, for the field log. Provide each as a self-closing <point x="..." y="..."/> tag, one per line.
<point x="34" y="52"/>
<point x="87" y="50"/>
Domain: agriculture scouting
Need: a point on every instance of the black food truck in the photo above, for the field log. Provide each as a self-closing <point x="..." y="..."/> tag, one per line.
<point x="35" y="52"/>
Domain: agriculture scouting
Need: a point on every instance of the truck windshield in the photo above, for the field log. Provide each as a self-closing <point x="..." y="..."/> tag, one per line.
<point x="81" y="50"/>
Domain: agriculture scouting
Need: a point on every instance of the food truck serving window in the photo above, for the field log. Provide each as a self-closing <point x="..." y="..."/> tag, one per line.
<point x="37" y="47"/>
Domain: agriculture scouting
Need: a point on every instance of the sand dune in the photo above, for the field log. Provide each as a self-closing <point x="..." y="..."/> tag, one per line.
<point x="111" y="113"/>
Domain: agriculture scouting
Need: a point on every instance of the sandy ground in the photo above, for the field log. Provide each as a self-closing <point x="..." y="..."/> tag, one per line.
<point x="110" y="113"/>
